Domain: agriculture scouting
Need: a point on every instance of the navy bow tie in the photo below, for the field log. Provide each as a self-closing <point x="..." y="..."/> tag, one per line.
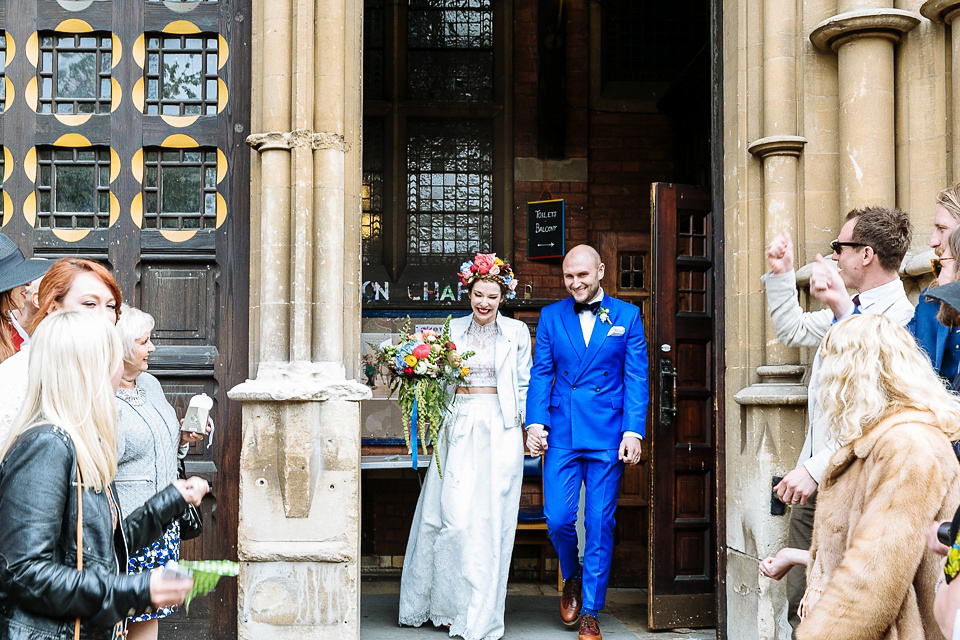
<point x="580" y="307"/>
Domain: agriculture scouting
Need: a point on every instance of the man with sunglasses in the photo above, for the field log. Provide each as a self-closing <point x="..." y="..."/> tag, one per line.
<point x="940" y="344"/>
<point x="868" y="251"/>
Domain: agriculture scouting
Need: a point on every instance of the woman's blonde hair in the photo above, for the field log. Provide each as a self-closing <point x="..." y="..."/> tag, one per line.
<point x="132" y="326"/>
<point x="871" y="369"/>
<point x="73" y="356"/>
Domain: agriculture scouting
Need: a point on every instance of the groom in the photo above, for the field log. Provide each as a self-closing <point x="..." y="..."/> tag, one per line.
<point x="588" y="389"/>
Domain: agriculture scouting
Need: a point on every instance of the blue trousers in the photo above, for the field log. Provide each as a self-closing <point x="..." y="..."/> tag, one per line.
<point x="564" y="471"/>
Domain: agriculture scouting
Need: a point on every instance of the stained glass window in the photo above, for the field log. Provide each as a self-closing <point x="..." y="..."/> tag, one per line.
<point x="372" y="216"/>
<point x="179" y="188"/>
<point x="450" y="50"/>
<point x="449" y="189"/>
<point x="181" y="75"/>
<point x="73" y="187"/>
<point x="373" y="49"/>
<point x="74" y="72"/>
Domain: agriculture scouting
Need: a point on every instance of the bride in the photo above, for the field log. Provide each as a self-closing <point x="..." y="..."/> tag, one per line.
<point x="458" y="555"/>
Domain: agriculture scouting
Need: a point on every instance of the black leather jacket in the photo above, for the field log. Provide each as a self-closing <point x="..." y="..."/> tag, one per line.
<point x="41" y="592"/>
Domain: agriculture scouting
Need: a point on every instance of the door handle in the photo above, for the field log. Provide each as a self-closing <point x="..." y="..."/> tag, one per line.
<point x="668" y="392"/>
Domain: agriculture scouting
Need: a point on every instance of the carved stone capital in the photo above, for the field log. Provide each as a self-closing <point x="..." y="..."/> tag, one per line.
<point x="777" y="146"/>
<point x="302" y="138"/>
<point x="888" y="24"/>
<point x="940" y="10"/>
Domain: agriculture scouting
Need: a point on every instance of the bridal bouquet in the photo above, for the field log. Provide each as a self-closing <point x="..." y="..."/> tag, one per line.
<point x="424" y="368"/>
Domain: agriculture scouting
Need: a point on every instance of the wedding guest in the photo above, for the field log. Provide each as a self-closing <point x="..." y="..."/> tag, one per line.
<point x="71" y="284"/>
<point x="15" y="272"/>
<point x="939" y="342"/>
<point x="23" y="317"/>
<point x="148" y="445"/>
<point x="63" y="536"/>
<point x="458" y="555"/>
<point x="868" y="250"/>
<point x="870" y="573"/>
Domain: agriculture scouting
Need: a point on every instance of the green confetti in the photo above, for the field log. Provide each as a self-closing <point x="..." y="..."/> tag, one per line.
<point x="206" y="575"/>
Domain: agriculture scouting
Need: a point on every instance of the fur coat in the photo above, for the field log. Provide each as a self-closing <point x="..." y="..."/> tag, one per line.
<point x="878" y="497"/>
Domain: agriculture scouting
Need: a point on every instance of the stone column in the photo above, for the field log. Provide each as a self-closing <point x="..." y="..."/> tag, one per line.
<point x="945" y="11"/>
<point x="773" y="407"/>
<point x="299" y="538"/>
<point x="863" y="35"/>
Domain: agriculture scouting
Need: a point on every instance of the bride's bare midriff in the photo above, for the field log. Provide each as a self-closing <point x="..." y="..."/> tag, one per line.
<point x="477" y="390"/>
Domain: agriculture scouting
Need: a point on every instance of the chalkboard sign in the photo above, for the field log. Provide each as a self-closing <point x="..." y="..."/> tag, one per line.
<point x="545" y="229"/>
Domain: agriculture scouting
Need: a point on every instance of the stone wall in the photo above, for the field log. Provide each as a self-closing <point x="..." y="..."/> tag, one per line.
<point x="827" y="106"/>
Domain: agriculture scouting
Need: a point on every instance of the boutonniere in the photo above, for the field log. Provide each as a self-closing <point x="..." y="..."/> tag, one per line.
<point x="604" y="314"/>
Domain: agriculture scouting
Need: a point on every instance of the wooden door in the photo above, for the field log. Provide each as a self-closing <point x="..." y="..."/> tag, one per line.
<point x="626" y="257"/>
<point x="682" y="556"/>
<point x="123" y="132"/>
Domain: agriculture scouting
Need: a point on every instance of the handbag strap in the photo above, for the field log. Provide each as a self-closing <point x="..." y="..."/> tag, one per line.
<point x="76" y="625"/>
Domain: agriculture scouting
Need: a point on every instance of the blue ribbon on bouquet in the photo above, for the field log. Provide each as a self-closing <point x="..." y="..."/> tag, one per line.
<point x="413" y="431"/>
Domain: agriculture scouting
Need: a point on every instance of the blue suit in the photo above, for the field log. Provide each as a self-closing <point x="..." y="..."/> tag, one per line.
<point x="586" y="396"/>
<point x="931" y="335"/>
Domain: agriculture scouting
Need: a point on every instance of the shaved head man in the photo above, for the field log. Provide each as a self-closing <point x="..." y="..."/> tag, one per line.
<point x="588" y="393"/>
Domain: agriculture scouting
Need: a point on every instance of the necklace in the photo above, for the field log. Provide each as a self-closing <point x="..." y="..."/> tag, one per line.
<point x="136" y="396"/>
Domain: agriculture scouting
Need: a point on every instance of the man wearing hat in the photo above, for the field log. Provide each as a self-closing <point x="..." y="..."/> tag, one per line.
<point x="15" y="272"/>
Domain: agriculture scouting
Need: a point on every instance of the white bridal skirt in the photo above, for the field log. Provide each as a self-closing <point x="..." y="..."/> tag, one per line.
<point x="458" y="555"/>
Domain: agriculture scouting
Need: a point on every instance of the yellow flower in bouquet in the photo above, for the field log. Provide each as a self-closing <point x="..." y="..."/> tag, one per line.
<point x="464" y="371"/>
<point x="410" y="361"/>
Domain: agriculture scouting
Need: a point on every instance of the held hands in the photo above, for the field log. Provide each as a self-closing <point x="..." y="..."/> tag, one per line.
<point x="827" y="286"/>
<point x="630" y="450"/>
<point x="796" y="487"/>
<point x="780" y="253"/>
<point x="536" y="440"/>
<point x="167" y="590"/>
<point x="192" y="489"/>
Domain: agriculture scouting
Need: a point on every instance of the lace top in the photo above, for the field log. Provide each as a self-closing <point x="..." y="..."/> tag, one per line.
<point x="482" y="340"/>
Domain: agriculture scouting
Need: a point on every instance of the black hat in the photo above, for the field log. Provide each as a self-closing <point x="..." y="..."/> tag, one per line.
<point x="948" y="293"/>
<point x="15" y="270"/>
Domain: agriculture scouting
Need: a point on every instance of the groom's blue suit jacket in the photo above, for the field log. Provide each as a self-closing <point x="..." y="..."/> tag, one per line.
<point x="588" y="395"/>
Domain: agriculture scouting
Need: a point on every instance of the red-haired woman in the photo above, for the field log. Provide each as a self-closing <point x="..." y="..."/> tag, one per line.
<point x="15" y="272"/>
<point x="72" y="284"/>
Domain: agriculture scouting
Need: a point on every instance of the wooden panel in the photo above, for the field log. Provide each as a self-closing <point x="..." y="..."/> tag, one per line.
<point x="682" y="558"/>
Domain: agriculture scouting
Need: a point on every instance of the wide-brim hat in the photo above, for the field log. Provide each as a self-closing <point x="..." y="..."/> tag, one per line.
<point x="15" y="270"/>
<point x="948" y="293"/>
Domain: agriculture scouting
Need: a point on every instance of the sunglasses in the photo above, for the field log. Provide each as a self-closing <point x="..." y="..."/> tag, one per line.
<point x="937" y="264"/>
<point x="838" y="246"/>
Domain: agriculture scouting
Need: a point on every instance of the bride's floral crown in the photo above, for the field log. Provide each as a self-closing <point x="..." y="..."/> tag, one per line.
<point x="488" y="264"/>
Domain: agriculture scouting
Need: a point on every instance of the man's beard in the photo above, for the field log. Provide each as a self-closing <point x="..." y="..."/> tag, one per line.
<point x="948" y="316"/>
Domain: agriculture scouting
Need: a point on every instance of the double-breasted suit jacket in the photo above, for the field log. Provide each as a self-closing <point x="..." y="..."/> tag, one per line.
<point x="588" y="395"/>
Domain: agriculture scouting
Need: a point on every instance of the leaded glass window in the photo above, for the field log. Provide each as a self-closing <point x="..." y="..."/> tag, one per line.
<point x="631" y="270"/>
<point x="74" y="72"/>
<point x="181" y="75"/>
<point x="73" y="187"/>
<point x="179" y="188"/>
<point x="372" y="215"/>
<point x="373" y="49"/>
<point x="449" y="189"/>
<point x="450" y="50"/>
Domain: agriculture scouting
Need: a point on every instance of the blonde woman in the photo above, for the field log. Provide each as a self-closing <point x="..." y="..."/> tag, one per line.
<point x="64" y="436"/>
<point x="870" y="574"/>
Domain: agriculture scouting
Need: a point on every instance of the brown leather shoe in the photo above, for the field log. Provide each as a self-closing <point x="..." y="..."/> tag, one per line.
<point x="570" y="601"/>
<point x="590" y="628"/>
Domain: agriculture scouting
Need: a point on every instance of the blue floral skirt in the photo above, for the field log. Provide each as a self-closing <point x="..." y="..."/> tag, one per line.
<point x="155" y="556"/>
